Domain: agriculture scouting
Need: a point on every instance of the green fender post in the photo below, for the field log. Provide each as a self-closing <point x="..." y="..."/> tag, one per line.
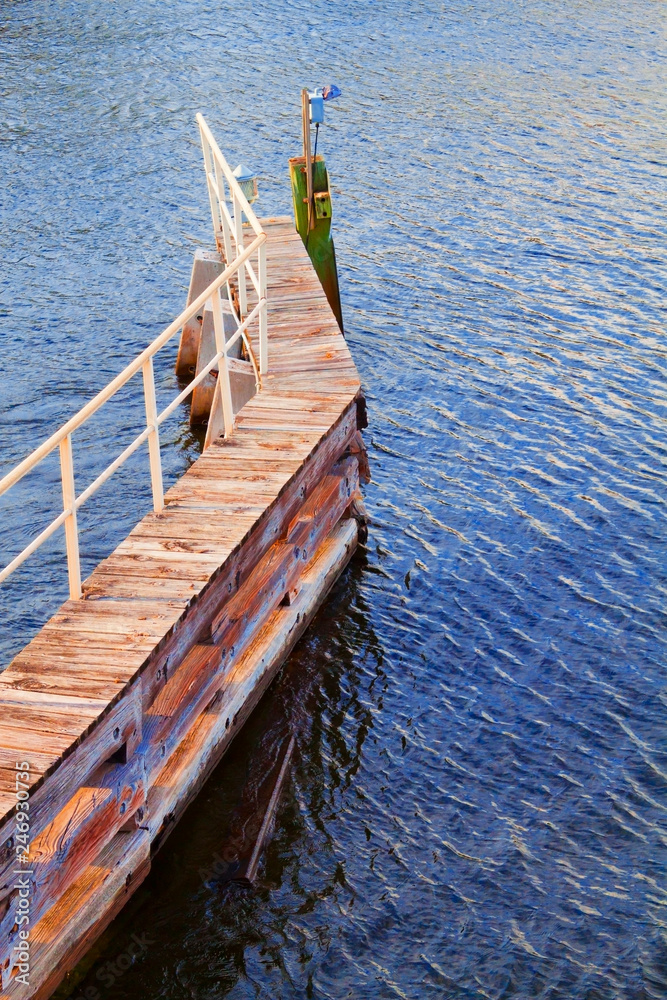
<point x="318" y="242"/>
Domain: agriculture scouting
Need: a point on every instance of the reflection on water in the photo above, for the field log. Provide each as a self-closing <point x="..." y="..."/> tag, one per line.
<point x="478" y="802"/>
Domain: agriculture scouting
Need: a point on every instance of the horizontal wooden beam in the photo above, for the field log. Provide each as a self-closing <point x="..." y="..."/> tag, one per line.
<point x="211" y="734"/>
<point x="67" y="931"/>
<point x="121" y="727"/>
<point x="74" y="837"/>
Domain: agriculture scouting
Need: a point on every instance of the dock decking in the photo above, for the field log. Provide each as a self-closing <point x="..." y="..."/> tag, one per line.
<point x="128" y="697"/>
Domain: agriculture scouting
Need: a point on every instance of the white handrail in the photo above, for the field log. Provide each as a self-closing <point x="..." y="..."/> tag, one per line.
<point x="62" y="438"/>
<point x="228" y="230"/>
<point x="112" y="388"/>
<point x="220" y="161"/>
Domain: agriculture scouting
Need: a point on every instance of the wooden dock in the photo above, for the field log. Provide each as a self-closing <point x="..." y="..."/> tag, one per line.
<point x="129" y="696"/>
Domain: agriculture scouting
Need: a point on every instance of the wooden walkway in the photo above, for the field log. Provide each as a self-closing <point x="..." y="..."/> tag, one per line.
<point x="126" y="698"/>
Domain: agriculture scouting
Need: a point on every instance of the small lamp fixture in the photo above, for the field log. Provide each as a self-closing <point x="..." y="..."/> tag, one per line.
<point x="247" y="182"/>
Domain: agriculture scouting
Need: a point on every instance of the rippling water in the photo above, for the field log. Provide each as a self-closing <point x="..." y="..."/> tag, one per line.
<point x="477" y="807"/>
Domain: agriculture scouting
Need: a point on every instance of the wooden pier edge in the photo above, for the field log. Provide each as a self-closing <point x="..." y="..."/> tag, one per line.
<point x="98" y="895"/>
<point x="127" y="699"/>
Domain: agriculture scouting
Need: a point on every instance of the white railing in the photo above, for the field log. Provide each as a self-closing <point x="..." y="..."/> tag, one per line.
<point x="237" y="259"/>
<point x="228" y="228"/>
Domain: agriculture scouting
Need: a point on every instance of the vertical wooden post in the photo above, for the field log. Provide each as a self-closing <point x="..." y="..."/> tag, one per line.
<point x="317" y="240"/>
<point x="307" y="155"/>
<point x="223" y="387"/>
<point x="207" y="266"/>
<point x="71" y="530"/>
<point x="153" y="436"/>
<point x="238" y="227"/>
<point x="226" y="232"/>
<point x="253" y="864"/>
<point x="212" y="197"/>
<point x="263" y="318"/>
<point x="215" y="197"/>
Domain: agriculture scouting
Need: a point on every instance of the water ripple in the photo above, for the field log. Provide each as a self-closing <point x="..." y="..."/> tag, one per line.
<point x="478" y="805"/>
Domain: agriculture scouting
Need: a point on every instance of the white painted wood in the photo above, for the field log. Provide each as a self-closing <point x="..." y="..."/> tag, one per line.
<point x="263" y="316"/>
<point x="69" y="506"/>
<point x="229" y="176"/>
<point x="34" y="545"/>
<point x="135" y="366"/>
<point x="153" y="436"/>
<point x="238" y="227"/>
<point x="213" y="197"/>
<point x="217" y="172"/>
<point x="110" y="469"/>
<point x="223" y="387"/>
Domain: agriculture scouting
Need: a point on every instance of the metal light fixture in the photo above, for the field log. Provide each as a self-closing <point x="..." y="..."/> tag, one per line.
<point x="247" y="182"/>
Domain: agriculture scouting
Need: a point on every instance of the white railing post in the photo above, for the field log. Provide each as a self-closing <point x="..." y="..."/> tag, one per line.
<point x="238" y="262"/>
<point x="263" y="317"/>
<point x="71" y="530"/>
<point x="224" y="385"/>
<point x="153" y="435"/>
<point x="226" y="232"/>
<point x="238" y="227"/>
<point x="212" y="197"/>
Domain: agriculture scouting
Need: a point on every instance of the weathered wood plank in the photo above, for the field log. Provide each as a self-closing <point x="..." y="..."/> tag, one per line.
<point x="66" y="932"/>
<point x="70" y="842"/>
<point x="224" y="551"/>
<point x="275" y="574"/>
<point x="116" y="642"/>
<point x="206" y="667"/>
<point x="198" y="754"/>
<point x="270" y="526"/>
<point x="121" y="726"/>
<point x="41" y="676"/>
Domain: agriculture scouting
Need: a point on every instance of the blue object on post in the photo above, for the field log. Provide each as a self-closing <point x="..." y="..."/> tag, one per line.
<point x="316" y="106"/>
<point x="317" y="98"/>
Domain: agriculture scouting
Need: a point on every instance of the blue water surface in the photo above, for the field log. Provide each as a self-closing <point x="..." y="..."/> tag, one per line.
<point x="478" y="803"/>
